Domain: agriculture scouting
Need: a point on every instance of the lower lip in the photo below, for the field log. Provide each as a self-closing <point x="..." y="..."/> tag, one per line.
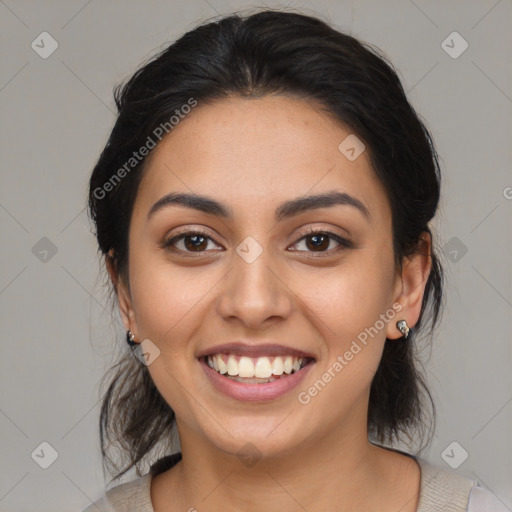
<point x="255" y="392"/>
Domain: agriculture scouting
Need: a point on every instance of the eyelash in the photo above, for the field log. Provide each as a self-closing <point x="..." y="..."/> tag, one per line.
<point x="344" y="244"/>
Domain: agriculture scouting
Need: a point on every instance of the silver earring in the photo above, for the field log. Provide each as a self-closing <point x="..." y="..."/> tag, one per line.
<point x="130" y="337"/>
<point x="403" y="328"/>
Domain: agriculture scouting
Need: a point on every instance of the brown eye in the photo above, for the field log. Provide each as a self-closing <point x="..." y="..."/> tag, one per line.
<point x="197" y="242"/>
<point x="192" y="241"/>
<point x="319" y="241"/>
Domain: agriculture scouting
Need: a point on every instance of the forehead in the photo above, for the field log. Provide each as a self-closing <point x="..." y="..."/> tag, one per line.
<point x="250" y="153"/>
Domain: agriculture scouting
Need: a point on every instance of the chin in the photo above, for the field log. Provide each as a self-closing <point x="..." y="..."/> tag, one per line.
<point x="254" y="437"/>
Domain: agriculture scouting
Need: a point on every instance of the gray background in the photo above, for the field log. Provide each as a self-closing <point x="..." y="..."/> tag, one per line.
<point x="57" y="333"/>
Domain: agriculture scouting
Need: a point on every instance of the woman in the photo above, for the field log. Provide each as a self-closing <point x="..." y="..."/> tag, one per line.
<point x="263" y="206"/>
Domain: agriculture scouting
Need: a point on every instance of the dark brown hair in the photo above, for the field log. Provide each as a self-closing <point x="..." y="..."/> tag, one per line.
<point x="246" y="56"/>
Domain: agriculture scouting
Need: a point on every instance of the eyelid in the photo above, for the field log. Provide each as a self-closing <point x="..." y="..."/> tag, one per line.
<point x="312" y="230"/>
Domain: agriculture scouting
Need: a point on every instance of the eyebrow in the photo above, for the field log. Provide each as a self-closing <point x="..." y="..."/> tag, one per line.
<point x="284" y="211"/>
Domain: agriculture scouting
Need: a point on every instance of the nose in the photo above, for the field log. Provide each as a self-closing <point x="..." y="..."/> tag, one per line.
<point x="253" y="293"/>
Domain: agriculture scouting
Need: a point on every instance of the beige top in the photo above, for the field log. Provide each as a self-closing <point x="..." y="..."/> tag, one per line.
<point x="441" y="490"/>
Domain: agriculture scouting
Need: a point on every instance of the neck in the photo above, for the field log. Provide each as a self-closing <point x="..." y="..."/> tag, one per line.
<point x="341" y="470"/>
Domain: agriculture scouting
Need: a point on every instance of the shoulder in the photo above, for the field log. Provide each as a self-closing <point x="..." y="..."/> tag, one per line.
<point x="136" y="494"/>
<point x="481" y="500"/>
<point x="443" y="489"/>
<point x="133" y="495"/>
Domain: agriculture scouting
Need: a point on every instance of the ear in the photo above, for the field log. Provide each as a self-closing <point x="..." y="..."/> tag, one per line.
<point x="123" y="294"/>
<point x="410" y="286"/>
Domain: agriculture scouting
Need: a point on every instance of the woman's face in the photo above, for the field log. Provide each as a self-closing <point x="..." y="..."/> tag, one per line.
<point x="257" y="277"/>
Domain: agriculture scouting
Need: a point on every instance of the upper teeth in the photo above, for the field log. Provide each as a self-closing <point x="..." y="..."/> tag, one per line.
<point x="260" y="367"/>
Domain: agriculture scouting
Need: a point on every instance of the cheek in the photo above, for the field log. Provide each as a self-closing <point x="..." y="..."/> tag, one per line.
<point x="351" y="309"/>
<point x="167" y="300"/>
<point x="348" y="298"/>
<point x="347" y="313"/>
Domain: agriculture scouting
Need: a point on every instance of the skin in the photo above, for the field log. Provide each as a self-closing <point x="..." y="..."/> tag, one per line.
<point x="251" y="155"/>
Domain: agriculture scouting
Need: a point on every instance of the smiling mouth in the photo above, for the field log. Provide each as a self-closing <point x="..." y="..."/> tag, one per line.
<point x="255" y="370"/>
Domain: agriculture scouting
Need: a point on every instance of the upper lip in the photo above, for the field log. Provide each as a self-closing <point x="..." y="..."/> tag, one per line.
<point x="254" y="350"/>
